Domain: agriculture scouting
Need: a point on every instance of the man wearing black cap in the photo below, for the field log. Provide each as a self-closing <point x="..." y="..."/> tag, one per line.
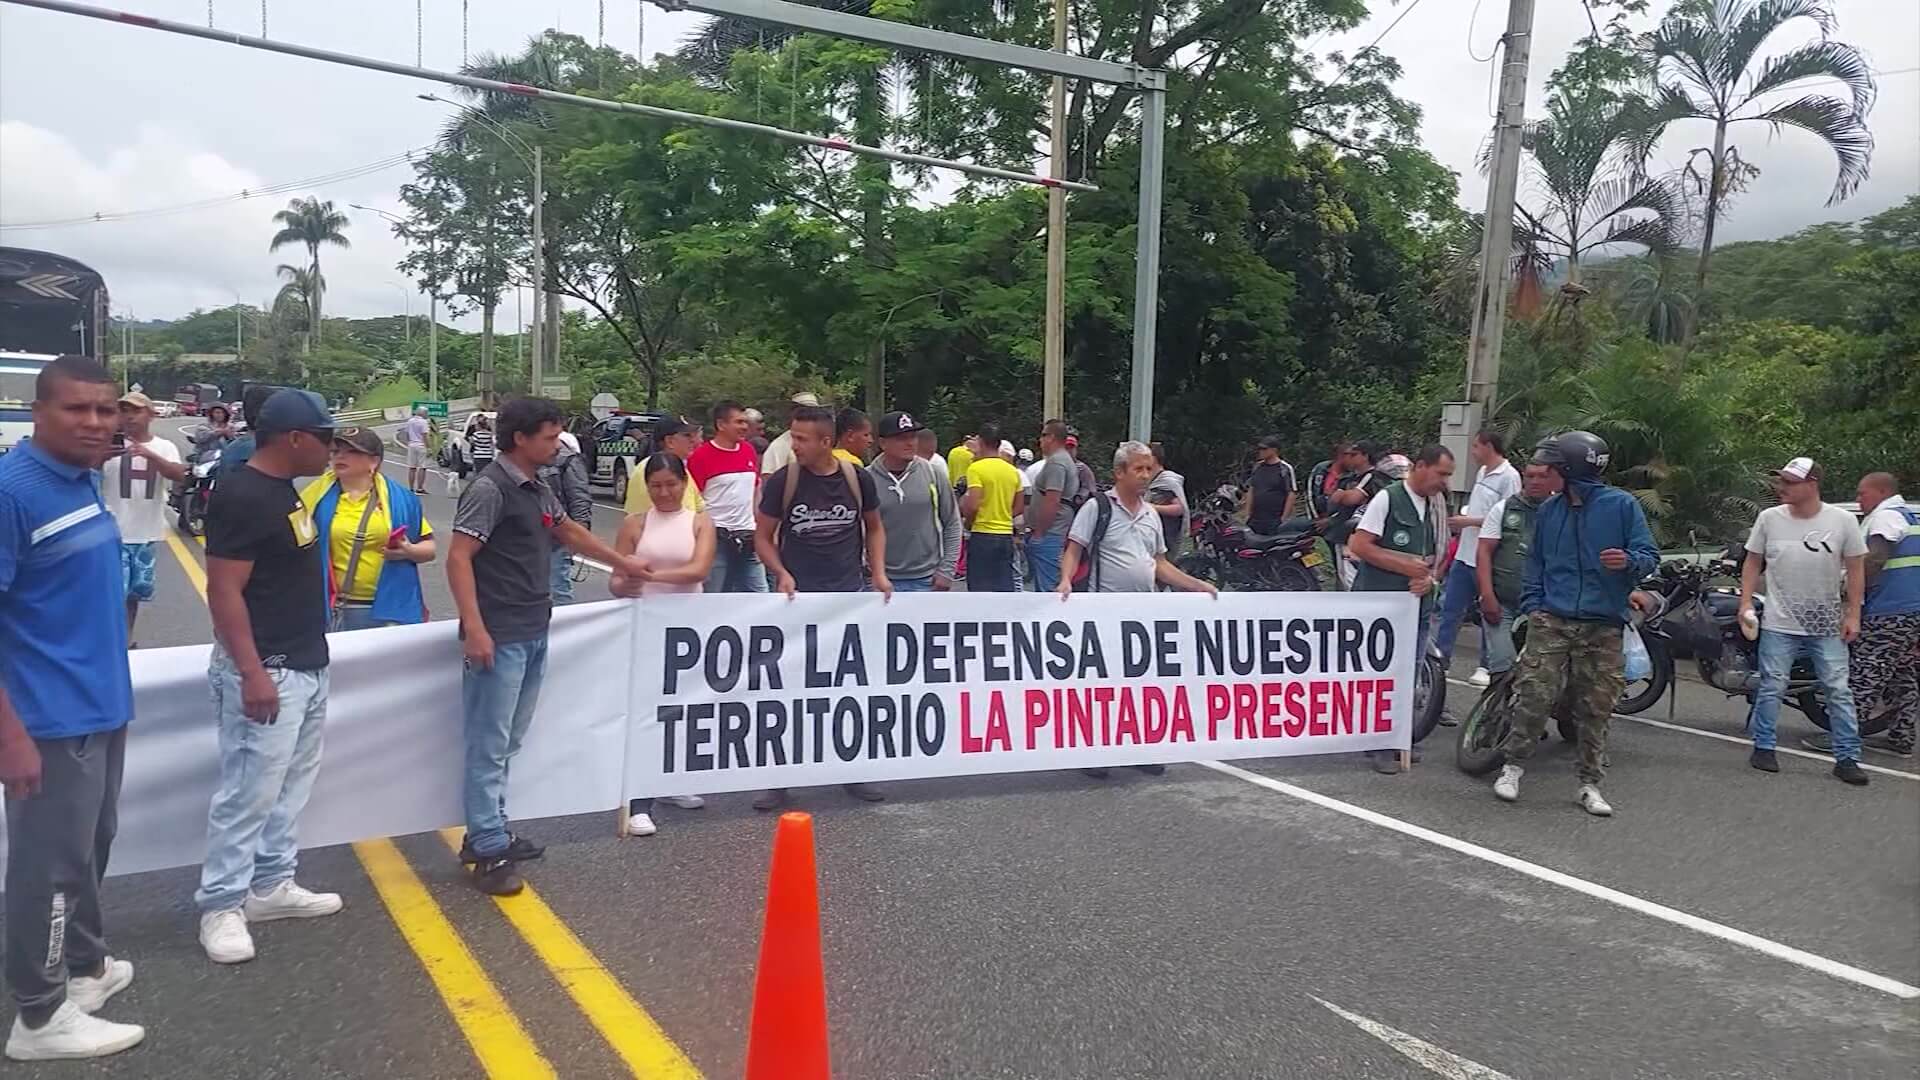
<point x="921" y="518"/>
<point x="267" y="592"/>
<point x="1269" y="498"/>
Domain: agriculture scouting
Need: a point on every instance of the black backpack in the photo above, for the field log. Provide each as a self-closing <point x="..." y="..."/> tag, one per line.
<point x="1087" y="577"/>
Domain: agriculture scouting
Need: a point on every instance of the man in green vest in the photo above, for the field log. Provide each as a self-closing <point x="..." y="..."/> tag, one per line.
<point x="1505" y="537"/>
<point x="1400" y="544"/>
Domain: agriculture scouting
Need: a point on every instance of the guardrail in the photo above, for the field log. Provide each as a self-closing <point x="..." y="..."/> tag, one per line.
<point x="359" y="416"/>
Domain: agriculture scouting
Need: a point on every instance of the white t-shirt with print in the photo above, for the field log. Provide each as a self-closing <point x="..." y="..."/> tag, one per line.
<point x="136" y="493"/>
<point x="1806" y="567"/>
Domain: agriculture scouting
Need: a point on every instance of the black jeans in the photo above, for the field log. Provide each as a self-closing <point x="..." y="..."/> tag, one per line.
<point x="990" y="562"/>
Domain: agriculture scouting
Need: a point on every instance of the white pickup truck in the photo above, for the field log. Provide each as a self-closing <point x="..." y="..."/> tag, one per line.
<point x="17" y="373"/>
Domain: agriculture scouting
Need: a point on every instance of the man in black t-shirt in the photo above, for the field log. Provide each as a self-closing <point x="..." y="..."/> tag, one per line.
<point x="1360" y="480"/>
<point x="817" y="519"/>
<point x="1269" y="498"/>
<point x="267" y="592"/>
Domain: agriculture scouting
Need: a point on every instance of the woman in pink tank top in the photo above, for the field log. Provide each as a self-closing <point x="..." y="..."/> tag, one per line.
<point x="677" y="546"/>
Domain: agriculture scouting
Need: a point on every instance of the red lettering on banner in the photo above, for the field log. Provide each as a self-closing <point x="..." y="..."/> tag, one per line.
<point x="1182" y="715"/>
<point x="1103" y="697"/>
<point x="1296" y="722"/>
<point x="1079" y="718"/>
<point x="1382" y="705"/>
<point x="997" y="722"/>
<point x="1246" y="711"/>
<point x="1219" y="705"/>
<point x="969" y="742"/>
<point x="1129" y="724"/>
<point x="1342" y="694"/>
<point x="1270" y="709"/>
<point x="1363" y="704"/>
<point x="1317" y="707"/>
<point x="1154" y="706"/>
<point x="1036" y="714"/>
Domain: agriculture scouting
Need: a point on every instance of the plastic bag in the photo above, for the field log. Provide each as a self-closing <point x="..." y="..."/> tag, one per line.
<point x="1639" y="664"/>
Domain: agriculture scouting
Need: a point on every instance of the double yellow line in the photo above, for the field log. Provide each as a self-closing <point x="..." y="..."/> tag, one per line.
<point x="494" y="1032"/>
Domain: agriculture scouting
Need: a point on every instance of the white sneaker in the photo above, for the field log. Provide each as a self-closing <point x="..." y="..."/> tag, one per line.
<point x="685" y="802"/>
<point x="1507" y="788"/>
<point x="88" y="992"/>
<point x="640" y="825"/>
<point x="1592" y="803"/>
<point x="289" y="901"/>
<point x="224" y="935"/>
<point x="70" y="1033"/>
<point x="1480" y="678"/>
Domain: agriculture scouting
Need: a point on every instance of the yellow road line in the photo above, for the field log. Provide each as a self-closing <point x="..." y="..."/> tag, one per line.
<point x="493" y="1031"/>
<point x="627" y="1027"/>
<point x="188" y="563"/>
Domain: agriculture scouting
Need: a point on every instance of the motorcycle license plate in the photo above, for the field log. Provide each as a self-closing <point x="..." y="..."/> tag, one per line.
<point x="1311" y="559"/>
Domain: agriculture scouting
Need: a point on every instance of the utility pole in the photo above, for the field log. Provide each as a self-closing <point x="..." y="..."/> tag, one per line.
<point x="539" y="275"/>
<point x="1052" y="383"/>
<point x="1461" y="420"/>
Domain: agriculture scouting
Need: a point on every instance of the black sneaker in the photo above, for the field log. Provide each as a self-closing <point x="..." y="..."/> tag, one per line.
<point x="519" y="849"/>
<point x="497" y="876"/>
<point x="771" y="799"/>
<point x="1851" y="772"/>
<point x="865" y="792"/>
<point x="1152" y="770"/>
<point x="1765" y="761"/>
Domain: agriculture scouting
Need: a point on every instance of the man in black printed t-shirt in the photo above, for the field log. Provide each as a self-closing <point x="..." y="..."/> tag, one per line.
<point x="267" y="592"/>
<point x="817" y="519"/>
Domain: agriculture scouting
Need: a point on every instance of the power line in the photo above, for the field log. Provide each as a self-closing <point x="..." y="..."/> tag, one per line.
<point x="1348" y="66"/>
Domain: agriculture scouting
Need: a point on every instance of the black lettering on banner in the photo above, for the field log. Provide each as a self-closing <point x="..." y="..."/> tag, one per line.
<point x="1059" y="650"/>
<point x="1380" y="645"/>
<point x="764" y="646"/>
<point x="853" y="658"/>
<point x="1026" y="648"/>
<point x="966" y="646"/>
<point x="903" y="653"/>
<point x="770" y="723"/>
<point x="1206" y="647"/>
<point x="846" y="728"/>
<point x="1324" y="628"/>
<point x="736" y="721"/>
<point x="1166" y="660"/>
<point x="993" y="651"/>
<point x="1350" y="632"/>
<point x="699" y="735"/>
<point x="722" y="675"/>
<point x="682" y="646"/>
<point x="1093" y="659"/>
<point x="817" y="710"/>
<point x="935" y="650"/>
<point x="1271" y="632"/>
<point x="1136" y="655"/>
<point x="930" y="725"/>
<point x="1301" y="660"/>
<point x="668" y="715"/>
<point x="883" y="714"/>
<point x="815" y="677"/>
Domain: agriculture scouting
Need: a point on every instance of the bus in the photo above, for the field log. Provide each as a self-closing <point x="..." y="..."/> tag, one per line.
<point x="49" y="305"/>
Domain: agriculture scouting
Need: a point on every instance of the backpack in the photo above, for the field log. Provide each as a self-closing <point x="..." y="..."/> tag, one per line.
<point x="1086" y="577"/>
<point x="847" y="473"/>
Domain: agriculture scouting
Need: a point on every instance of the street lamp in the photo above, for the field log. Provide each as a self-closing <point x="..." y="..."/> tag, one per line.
<point x="406" y="304"/>
<point x="433" y="308"/>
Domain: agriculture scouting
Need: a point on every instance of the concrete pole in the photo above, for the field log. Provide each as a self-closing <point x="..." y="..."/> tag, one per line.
<point x="1496" y="244"/>
<point x="1146" y="269"/>
<point x="1053" y="380"/>
<point x="433" y="326"/>
<point x="539" y="274"/>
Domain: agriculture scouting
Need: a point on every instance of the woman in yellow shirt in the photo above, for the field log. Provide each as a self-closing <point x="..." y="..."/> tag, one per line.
<point x="377" y="536"/>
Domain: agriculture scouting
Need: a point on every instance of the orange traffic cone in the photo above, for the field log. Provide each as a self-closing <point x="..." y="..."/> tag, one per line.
<point x="787" y="1039"/>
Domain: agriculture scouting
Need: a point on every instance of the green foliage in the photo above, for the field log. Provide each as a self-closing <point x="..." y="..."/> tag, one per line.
<point x="391" y="394"/>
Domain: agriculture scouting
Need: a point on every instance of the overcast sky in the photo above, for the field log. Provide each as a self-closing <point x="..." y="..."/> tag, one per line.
<point x="156" y="120"/>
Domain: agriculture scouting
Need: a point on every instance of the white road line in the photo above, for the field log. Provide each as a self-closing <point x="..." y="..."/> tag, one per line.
<point x="1641" y="905"/>
<point x="1433" y="1058"/>
<point x="1735" y="739"/>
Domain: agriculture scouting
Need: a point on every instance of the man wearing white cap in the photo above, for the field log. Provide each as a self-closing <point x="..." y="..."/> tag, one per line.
<point x="1814" y="560"/>
<point x="779" y="453"/>
<point x="134" y="484"/>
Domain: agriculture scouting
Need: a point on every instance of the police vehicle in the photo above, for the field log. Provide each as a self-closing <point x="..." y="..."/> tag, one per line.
<point x="614" y="447"/>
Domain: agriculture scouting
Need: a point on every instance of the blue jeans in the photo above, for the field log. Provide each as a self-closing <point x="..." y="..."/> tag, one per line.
<point x="562" y="576"/>
<point x="498" y="705"/>
<point x="912" y="584"/>
<point x="1459" y="594"/>
<point x="1043" y="561"/>
<point x="1778" y="651"/>
<point x="736" y="566"/>
<point x="266" y="775"/>
<point x="1496" y="643"/>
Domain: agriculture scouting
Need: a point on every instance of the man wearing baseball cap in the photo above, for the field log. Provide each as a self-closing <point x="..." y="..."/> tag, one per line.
<point x="1814" y="560"/>
<point x="267" y="593"/>
<point x="134" y="484"/>
<point x="922" y="520"/>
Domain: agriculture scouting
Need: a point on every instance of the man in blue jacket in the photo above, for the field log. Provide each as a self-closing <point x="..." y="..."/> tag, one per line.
<point x="1590" y="546"/>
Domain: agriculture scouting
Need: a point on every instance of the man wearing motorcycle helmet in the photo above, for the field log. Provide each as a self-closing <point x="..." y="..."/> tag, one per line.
<point x="1590" y="546"/>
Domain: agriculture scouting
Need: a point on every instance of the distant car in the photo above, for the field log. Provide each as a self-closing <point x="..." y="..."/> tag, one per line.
<point x="615" y="447"/>
<point x="165" y="409"/>
<point x="457" y="438"/>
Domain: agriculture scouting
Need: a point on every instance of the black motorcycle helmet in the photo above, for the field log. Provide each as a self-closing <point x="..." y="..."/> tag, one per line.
<point x="1575" y="455"/>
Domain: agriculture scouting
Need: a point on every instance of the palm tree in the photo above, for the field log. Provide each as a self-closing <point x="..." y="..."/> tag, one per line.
<point x="1702" y="53"/>
<point x="310" y="223"/>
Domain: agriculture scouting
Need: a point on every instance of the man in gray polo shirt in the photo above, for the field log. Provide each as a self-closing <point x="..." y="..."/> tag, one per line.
<point x="499" y="571"/>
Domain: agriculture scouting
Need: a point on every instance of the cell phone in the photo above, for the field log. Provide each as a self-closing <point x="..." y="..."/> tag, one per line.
<point x="397" y="536"/>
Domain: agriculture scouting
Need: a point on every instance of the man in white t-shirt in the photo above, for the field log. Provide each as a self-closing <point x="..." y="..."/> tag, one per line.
<point x="1814" y="560"/>
<point x="134" y="484"/>
<point x="1495" y="480"/>
<point x="779" y="453"/>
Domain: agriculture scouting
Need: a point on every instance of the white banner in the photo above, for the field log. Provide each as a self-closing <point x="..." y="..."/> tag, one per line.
<point x="762" y="691"/>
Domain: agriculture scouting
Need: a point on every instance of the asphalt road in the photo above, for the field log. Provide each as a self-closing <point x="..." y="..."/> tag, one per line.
<point x="1279" y="918"/>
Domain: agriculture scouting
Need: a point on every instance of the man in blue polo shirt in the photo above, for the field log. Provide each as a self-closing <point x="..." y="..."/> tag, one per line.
<point x="65" y="699"/>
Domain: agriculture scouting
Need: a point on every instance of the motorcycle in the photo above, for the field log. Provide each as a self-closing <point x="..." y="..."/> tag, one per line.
<point x="1232" y="556"/>
<point x="191" y="495"/>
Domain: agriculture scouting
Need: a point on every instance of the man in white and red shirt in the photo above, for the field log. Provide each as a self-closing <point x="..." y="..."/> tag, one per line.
<point x="727" y="472"/>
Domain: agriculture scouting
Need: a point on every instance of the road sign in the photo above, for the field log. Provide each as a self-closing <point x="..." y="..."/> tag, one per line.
<point x="557" y="387"/>
<point x="603" y="405"/>
<point x="436" y="410"/>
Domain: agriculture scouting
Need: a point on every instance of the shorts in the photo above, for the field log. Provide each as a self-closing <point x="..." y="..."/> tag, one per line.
<point x="136" y="570"/>
<point x="416" y="457"/>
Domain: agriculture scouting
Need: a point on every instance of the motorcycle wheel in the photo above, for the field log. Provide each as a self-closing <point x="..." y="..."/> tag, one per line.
<point x="1569" y="731"/>
<point x="1429" y="696"/>
<point x="1484" y="731"/>
<point x="1638" y="697"/>
<point x="188" y="524"/>
<point x="1197" y="565"/>
<point x="1291" y="577"/>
